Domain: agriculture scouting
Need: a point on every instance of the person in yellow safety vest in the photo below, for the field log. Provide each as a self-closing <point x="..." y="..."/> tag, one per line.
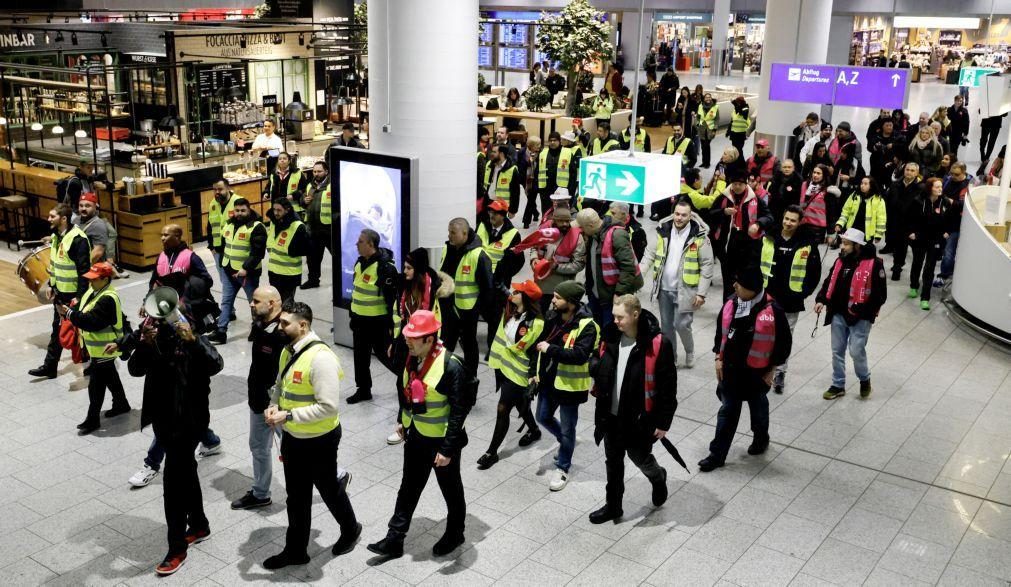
<point x="286" y="183"/>
<point x="563" y="372"/>
<point x="635" y="385"/>
<point x="373" y="294"/>
<point x="866" y="202"/>
<point x="287" y="243"/>
<point x="318" y="204"/>
<point x="221" y="210"/>
<point x="465" y="261"/>
<point x="245" y="240"/>
<point x="682" y="267"/>
<point x="603" y="106"/>
<point x="437" y="395"/>
<point x="679" y="143"/>
<point x="642" y="145"/>
<point x="604" y="141"/>
<point x="502" y="179"/>
<point x="514" y="360"/>
<point x="304" y="409"/>
<point x="101" y="322"/>
<point x="571" y="141"/>
<point x="708" y="119"/>
<point x="69" y="260"/>
<point x="740" y="123"/>
<point x="791" y="264"/>
<point x="498" y="237"/>
<point x="558" y="167"/>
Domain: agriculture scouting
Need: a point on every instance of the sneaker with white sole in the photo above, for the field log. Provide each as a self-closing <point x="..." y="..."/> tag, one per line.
<point x="394" y="439"/>
<point x="689" y="360"/>
<point x="559" y="481"/>
<point x="206" y="451"/>
<point x="144" y="476"/>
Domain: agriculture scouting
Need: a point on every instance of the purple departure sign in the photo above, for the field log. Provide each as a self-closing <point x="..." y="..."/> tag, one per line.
<point x="796" y="82"/>
<point x="871" y="87"/>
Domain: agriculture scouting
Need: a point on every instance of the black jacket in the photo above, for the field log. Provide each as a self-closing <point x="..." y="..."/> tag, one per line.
<point x="514" y="185"/>
<point x="354" y="143"/>
<point x="80" y="252"/>
<point x="268" y="342"/>
<point x="784" y="191"/>
<point x="389" y="279"/>
<point x="632" y="414"/>
<point x="461" y="393"/>
<point x="735" y="368"/>
<point x="902" y="201"/>
<point x="483" y="273"/>
<point x="779" y="282"/>
<point x="930" y="221"/>
<point x="959" y="126"/>
<point x="257" y="243"/>
<point x="102" y="314"/>
<point x="197" y="271"/>
<point x="556" y="330"/>
<point x="278" y="189"/>
<point x="177" y="383"/>
<point x="511" y="262"/>
<point x="840" y="297"/>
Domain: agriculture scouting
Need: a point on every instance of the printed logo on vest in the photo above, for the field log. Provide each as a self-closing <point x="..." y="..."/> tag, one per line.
<point x="296" y="377"/>
<point x="465" y="270"/>
<point x="281" y="241"/>
<point x="498" y="244"/>
<point x="242" y="236"/>
<point x="284" y="234"/>
<point x="804" y="254"/>
<point x="367" y="278"/>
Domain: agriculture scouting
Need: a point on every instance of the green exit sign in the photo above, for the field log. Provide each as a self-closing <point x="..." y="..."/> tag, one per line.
<point x="609" y="180"/>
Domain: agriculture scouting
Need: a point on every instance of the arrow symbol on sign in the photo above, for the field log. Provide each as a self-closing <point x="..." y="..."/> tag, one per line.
<point x="629" y="183"/>
<point x="895" y="80"/>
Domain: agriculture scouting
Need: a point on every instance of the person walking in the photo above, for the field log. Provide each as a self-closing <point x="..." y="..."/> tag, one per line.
<point x="604" y="141"/>
<point x="184" y="271"/>
<point x="269" y="341"/>
<point x="219" y="212"/>
<point x="318" y="203"/>
<point x="372" y="299"/>
<point x="286" y="183"/>
<point x="502" y="180"/>
<point x="177" y="366"/>
<point x="69" y="260"/>
<point x="557" y="167"/>
<point x="468" y="264"/>
<point x="561" y="260"/>
<point x="865" y="209"/>
<point x="752" y="338"/>
<point x="101" y="322"/>
<point x="304" y="405"/>
<point x="958" y="130"/>
<point x="677" y="142"/>
<point x="636" y="390"/>
<point x="931" y="224"/>
<point x="287" y="241"/>
<point x="498" y="236"/>
<point x="682" y="263"/>
<point x="513" y="358"/>
<point x="738" y="218"/>
<point x="708" y="117"/>
<point x="611" y="266"/>
<point x="903" y="197"/>
<point x="438" y="393"/>
<point x="851" y="297"/>
<point x="245" y="241"/>
<point x="791" y="265"/>
<point x="563" y="374"/>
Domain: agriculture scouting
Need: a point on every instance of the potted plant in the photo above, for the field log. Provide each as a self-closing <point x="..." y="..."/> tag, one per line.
<point x="537" y="97"/>
<point x="577" y="35"/>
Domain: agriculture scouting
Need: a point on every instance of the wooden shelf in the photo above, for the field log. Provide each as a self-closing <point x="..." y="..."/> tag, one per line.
<point x="83" y="112"/>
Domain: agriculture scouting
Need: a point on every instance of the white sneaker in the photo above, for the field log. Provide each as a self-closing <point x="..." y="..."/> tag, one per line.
<point x="560" y="480"/>
<point x="206" y="451"/>
<point x="394" y="439"/>
<point x="143" y="477"/>
<point x="689" y="360"/>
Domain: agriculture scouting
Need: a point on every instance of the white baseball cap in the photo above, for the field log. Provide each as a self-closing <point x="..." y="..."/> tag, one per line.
<point x="854" y="235"/>
<point x="561" y="194"/>
<point x="569" y="136"/>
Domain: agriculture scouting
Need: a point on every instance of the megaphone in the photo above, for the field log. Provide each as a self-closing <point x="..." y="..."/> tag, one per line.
<point x="162" y="303"/>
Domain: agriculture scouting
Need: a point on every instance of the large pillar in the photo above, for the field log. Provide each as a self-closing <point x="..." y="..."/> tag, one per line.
<point x="721" y="31"/>
<point x="423" y="101"/>
<point x="796" y="31"/>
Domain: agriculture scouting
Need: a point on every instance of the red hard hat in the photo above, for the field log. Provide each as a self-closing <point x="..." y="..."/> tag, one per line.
<point x="422" y="323"/>
<point x="542" y="268"/>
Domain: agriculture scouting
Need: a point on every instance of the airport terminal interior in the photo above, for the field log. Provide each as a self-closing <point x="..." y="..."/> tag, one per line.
<point x="909" y="485"/>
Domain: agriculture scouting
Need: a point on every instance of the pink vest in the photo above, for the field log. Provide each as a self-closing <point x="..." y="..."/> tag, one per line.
<point x="860" y="285"/>
<point x="181" y="265"/>
<point x="563" y="253"/>
<point x="764" y="340"/>
<point x="608" y="264"/>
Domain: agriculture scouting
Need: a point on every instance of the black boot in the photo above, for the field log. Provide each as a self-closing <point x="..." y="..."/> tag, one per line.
<point x="390" y="547"/>
<point x="47" y="371"/>
<point x="361" y="395"/>
<point x="347" y="541"/>
<point x="448" y="543"/>
<point x="605" y="514"/>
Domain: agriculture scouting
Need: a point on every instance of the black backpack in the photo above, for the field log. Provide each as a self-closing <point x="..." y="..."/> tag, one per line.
<point x="62" y="187"/>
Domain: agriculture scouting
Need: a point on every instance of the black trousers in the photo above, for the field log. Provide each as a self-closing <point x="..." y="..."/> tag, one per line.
<point x="54" y="350"/>
<point x="312" y="462"/>
<point x="286" y="285"/>
<point x="184" y="503"/>
<point x="925" y="259"/>
<point x="737" y="139"/>
<point x="706" y="151"/>
<point x="619" y="441"/>
<point x="461" y="325"/>
<point x="104" y="375"/>
<point x="987" y="140"/>
<point x="510" y="395"/>
<point x="369" y="335"/>
<point x="900" y="247"/>
<point x="530" y="211"/>
<point x="733" y="391"/>
<point x="419" y="460"/>
<point x="319" y="240"/>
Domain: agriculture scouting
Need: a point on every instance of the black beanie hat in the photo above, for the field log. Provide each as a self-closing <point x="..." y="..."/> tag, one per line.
<point x="418" y="258"/>
<point x="750" y="277"/>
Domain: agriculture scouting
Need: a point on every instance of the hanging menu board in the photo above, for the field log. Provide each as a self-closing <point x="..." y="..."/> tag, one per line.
<point x="215" y="85"/>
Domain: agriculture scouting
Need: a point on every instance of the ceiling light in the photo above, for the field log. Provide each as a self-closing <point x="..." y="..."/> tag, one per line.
<point x="36" y="126"/>
<point x="3" y="121"/>
<point x="79" y="133"/>
<point x="936" y="22"/>
<point x="57" y="130"/>
<point x="73" y="38"/>
<point x="47" y="38"/>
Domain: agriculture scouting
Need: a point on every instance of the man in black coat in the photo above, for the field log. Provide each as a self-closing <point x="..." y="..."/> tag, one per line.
<point x="177" y="366"/>
<point x="958" y="130"/>
<point x="635" y="383"/>
<point x="902" y="198"/>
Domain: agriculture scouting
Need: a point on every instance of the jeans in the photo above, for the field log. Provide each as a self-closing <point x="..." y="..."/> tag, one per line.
<point x="854" y="336"/>
<point x="755" y="394"/>
<point x="260" y="437"/>
<point x="229" y="290"/>
<point x="948" y="260"/>
<point x="672" y="321"/>
<point x="156" y="452"/>
<point x="780" y="377"/>
<point x="601" y="310"/>
<point x="565" y="431"/>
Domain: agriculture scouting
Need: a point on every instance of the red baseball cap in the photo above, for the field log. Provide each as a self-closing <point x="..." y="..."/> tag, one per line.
<point x="530" y="288"/>
<point x="90" y="197"/>
<point x="761" y="143"/>
<point x="499" y="206"/>
<point x="99" y="270"/>
<point x="577" y="121"/>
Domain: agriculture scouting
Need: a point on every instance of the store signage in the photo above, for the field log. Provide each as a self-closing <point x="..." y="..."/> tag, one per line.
<point x="642" y="179"/>
<point x="143" y="58"/>
<point x="868" y="87"/>
<point x="683" y="17"/>
<point x="972" y="77"/>
<point x="269" y="100"/>
<point x="15" y="39"/>
<point x="229" y="44"/>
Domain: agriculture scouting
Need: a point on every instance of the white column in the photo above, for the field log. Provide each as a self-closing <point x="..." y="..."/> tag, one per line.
<point x="721" y="30"/>
<point x="796" y="31"/>
<point x="423" y="100"/>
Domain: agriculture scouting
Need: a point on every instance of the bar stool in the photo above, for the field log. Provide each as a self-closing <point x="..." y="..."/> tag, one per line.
<point x="16" y="219"/>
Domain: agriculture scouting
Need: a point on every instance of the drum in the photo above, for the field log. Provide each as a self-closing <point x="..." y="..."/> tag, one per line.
<point x="33" y="270"/>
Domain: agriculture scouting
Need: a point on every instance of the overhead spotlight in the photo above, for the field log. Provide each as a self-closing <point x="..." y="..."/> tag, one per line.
<point x="73" y="38"/>
<point x="49" y="19"/>
<point x="59" y="36"/>
<point x="80" y="134"/>
<point x="47" y="38"/>
<point x="3" y="121"/>
<point x="105" y="40"/>
<point x="57" y="130"/>
<point x="66" y="19"/>
<point x="242" y="42"/>
<point x="301" y="39"/>
<point x="278" y="38"/>
<point x="36" y="126"/>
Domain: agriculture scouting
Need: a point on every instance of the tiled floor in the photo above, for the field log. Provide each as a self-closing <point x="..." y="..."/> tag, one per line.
<point x="909" y="487"/>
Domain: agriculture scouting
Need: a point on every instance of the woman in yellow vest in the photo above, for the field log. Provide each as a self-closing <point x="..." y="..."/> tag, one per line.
<point x="708" y="118"/>
<point x="603" y="106"/>
<point x="287" y="243"/>
<point x="100" y="320"/>
<point x="514" y="359"/>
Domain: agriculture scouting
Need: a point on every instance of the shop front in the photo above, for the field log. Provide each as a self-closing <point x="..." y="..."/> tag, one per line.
<point x="683" y="39"/>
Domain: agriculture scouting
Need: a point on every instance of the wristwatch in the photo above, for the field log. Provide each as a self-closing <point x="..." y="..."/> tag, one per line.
<point x="288" y="417"/>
